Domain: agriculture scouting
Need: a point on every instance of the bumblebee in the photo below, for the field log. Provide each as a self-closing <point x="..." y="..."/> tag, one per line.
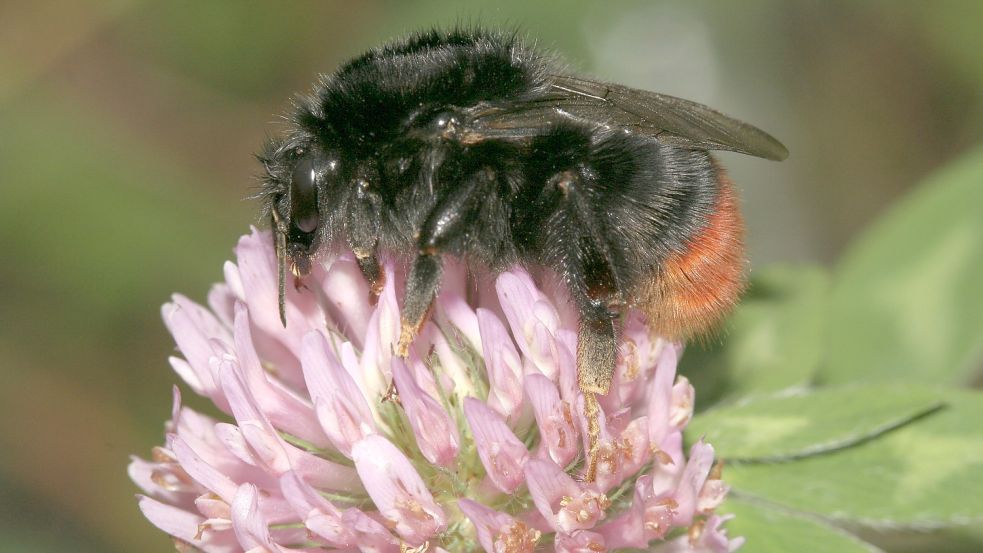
<point x="471" y="144"/>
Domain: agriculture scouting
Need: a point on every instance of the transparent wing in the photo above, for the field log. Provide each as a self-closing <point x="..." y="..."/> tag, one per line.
<point x="665" y="118"/>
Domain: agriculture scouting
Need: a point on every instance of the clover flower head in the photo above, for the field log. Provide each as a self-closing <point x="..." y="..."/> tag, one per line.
<point x="475" y="441"/>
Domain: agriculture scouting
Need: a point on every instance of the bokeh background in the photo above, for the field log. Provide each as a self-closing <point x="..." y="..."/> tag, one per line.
<point x="127" y="130"/>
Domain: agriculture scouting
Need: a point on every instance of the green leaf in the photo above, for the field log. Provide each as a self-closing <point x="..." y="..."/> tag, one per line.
<point x="778" y="428"/>
<point x="770" y="530"/>
<point x="907" y="300"/>
<point x="960" y="539"/>
<point x="927" y="474"/>
<point x="773" y="340"/>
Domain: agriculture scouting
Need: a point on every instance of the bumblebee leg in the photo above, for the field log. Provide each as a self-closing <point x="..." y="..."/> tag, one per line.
<point x="597" y="356"/>
<point x="585" y="258"/>
<point x="446" y="230"/>
<point x="362" y="230"/>
<point x="421" y="288"/>
<point x="371" y="269"/>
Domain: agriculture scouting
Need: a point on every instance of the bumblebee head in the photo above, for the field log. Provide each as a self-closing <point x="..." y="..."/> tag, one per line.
<point x="299" y="175"/>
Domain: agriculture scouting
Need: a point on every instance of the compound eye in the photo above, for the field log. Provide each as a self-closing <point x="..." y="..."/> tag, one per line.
<point x="303" y="196"/>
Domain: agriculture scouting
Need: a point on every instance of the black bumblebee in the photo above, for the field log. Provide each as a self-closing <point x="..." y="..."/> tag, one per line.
<point x="470" y="143"/>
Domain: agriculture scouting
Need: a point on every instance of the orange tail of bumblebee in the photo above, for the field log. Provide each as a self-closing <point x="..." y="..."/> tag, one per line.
<point x="694" y="290"/>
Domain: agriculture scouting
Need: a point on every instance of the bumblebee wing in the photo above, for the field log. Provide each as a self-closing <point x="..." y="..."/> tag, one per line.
<point x="662" y="117"/>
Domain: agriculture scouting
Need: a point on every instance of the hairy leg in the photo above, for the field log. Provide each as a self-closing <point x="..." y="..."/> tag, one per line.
<point x="421" y="288"/>
<point x="371" y="269"/>
<point x="600" y="306"/>
<point x="585" y="262"/>
<point x="362" y="226"/>
<point x="446" y="229"/>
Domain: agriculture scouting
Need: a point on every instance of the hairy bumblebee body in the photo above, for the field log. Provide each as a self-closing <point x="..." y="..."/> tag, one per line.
<point x="471" y="144"/>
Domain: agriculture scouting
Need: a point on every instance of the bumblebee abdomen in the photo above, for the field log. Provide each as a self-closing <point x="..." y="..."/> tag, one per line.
<point x="691" y="290"/>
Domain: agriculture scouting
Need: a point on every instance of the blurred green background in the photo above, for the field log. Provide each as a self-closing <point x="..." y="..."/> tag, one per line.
<point x="127" y="130"/>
